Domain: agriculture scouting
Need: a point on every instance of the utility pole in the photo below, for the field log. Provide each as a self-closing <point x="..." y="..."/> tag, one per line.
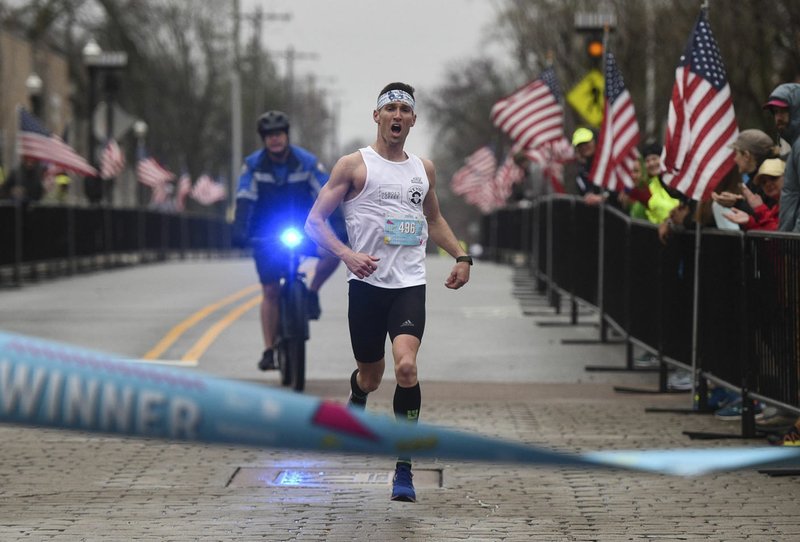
<point x="258" y="17"/>
<point x="236" y="86"/>
<point x="255" y="63"/>
<point x="650" y="76"/>
<point x="291" y="56"/>
<point x="236" y="112"/>
<point x="335" y="117"/>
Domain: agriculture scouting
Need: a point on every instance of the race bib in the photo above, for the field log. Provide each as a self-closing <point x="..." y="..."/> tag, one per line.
<point x="403" y="231"/>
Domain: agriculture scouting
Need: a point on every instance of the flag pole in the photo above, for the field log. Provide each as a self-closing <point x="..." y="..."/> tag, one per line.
<point x="696" y="287"/>
<point x="601" y="225"/>
<point x="15" y="157"/>
<point x="695" y="300"/>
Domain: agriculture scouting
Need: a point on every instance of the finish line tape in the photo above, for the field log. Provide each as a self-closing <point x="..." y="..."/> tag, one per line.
<point x="49" y="384"/>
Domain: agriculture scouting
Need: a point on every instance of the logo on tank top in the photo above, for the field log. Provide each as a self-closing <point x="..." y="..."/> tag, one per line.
<point x="389" y="192"/>
<point x="416" y="180"/>
<point x="415" y="195"/>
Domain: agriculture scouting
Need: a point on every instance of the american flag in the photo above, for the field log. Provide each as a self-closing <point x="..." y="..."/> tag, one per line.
<point x="619" y="134"/>
<point x="701" y="122"/>
<point x="532" y="115"/>
<point x="151" y="173"/>
<point x="508" y="175"/>
<point x="49" y="176"/>
<point x="487" y="198"/>
<point x="207" y="191"/>
<point x="184" y="189"/>
<point x="551" y="158"/>
<point x="112" y="161"/>
<point x="484" y="192"/>
<point x="478" y="170"/>
<point x="35" y="141"/>
<point x="159" y="194"/>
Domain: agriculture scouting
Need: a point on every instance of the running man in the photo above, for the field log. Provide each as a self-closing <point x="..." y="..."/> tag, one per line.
<point x="390" y="210"/>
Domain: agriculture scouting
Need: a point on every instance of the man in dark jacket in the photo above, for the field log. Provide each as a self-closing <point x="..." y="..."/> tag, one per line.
<point x="784" y="103"/>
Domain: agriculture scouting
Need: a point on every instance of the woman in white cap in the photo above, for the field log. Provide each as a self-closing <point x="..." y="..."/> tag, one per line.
<point x="770" y="180"/>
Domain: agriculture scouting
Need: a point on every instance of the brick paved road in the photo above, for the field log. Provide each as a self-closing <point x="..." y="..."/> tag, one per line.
<point x="489" y="370"/>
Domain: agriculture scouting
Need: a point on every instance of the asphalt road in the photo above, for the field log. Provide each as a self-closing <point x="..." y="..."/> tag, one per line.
<point x="475" y="334"/>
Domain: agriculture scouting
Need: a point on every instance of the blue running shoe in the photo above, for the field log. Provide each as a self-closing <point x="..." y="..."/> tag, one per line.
<point x="402" y="486"/>
<point x="720" y="397"/>
<point x="733" y="410"/>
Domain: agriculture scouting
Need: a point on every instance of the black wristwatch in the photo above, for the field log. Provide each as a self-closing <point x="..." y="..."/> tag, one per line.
<point x="467" y="259"/>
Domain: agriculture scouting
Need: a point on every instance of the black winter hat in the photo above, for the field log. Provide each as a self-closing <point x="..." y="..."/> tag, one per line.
<point x="652" y="148"/>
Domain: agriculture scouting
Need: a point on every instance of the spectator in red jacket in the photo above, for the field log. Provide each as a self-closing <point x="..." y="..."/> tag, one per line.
<point x="770" y="179"/>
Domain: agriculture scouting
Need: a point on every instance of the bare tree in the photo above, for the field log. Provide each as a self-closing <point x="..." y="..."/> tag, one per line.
<point x="178" y="73"/>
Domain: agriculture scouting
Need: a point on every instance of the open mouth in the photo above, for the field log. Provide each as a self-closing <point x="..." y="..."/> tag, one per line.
<point x="396" y="128"/>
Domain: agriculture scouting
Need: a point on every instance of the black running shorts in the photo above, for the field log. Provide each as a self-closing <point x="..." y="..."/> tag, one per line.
<point x="373" y="312"/>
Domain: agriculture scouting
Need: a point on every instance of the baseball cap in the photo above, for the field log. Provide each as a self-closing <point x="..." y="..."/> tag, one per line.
<point x="775" y="102"/>
<point x="581" y="135"/>
<point x="774" y="167"/>
<point x="755" y="141"/>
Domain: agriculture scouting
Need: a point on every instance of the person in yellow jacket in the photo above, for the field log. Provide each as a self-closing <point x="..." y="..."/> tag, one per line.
<point x="654" y="199"/>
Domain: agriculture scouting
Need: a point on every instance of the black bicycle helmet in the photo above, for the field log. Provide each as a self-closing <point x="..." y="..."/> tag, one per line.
<point x="272" y="121"/>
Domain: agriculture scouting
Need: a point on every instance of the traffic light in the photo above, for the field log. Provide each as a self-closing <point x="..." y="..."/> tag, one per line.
<point x="594" y="46"/>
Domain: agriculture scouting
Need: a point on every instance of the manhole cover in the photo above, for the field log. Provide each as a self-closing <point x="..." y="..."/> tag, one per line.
<point x="276" y="477"/>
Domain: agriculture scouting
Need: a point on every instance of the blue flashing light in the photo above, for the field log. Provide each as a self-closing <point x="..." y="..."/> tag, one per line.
<point x="291" y="237"/>
<point x="291" y="478"/>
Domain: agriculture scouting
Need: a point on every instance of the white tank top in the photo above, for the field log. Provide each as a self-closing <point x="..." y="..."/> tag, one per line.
<point x="386" y="220"/>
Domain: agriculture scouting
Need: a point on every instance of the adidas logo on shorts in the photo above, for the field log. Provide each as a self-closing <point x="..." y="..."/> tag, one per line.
<point x="407" y="323"/>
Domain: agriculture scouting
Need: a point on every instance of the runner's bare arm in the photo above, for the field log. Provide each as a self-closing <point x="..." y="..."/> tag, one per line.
<point x="440" y="232"/>
<point x="343" y="183"/>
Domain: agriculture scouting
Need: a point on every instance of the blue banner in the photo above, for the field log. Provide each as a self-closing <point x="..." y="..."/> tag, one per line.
<point x="49" y="384"/>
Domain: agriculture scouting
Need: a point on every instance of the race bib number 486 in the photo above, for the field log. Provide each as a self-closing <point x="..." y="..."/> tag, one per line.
<point x="403" y="231"/>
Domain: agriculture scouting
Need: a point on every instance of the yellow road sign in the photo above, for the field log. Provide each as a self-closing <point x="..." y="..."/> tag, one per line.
<point x="587" y="97"/>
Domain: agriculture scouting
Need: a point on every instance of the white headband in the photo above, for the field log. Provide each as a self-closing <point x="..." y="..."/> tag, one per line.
<point x="395" y="96"/>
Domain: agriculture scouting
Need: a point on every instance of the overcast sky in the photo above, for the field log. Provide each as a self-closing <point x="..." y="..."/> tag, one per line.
<point x="361" y="45"/>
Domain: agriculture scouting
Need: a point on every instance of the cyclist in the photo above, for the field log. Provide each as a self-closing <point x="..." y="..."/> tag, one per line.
<point x="391" y="208"/>
<point x="277" y="187"/>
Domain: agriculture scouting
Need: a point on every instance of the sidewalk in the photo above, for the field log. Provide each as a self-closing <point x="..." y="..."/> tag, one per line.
<point x="72" y="486"/>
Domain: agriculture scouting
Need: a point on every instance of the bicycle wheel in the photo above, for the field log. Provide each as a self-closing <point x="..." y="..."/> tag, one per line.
<point x="295" y="339"/>
<point x="283" y="362"/>
<point x="296" y="351"/>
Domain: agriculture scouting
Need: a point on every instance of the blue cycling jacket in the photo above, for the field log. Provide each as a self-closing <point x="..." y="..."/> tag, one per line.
<point x="281" y="194"/>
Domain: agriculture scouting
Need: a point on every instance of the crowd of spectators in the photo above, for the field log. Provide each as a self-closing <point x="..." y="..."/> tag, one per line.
<point x="761" y="193"/>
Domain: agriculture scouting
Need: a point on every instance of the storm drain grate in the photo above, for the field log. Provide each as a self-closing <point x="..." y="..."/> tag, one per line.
<point x="275" y="477"/>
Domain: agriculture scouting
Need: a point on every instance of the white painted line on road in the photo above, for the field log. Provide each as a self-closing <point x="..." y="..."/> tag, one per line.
<point x="174" y="362"/>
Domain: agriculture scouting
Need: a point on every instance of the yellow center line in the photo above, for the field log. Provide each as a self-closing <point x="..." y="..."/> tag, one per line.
<point x="175" y="333"/>
<point x="213" y="332"/>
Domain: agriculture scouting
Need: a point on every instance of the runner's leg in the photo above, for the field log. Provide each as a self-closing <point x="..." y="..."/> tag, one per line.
<point x="407" y="401"/>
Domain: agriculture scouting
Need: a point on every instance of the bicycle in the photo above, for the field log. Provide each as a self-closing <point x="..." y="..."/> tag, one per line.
<point x="293" y="328"/>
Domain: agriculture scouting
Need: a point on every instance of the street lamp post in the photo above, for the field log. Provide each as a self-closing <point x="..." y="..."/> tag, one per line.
<point x="92" y="186"/>
<point x="140" y="132"/>
<point x="96" y="61"/>
<point x="34" y="86"/>
<point x="91" y="51"/>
